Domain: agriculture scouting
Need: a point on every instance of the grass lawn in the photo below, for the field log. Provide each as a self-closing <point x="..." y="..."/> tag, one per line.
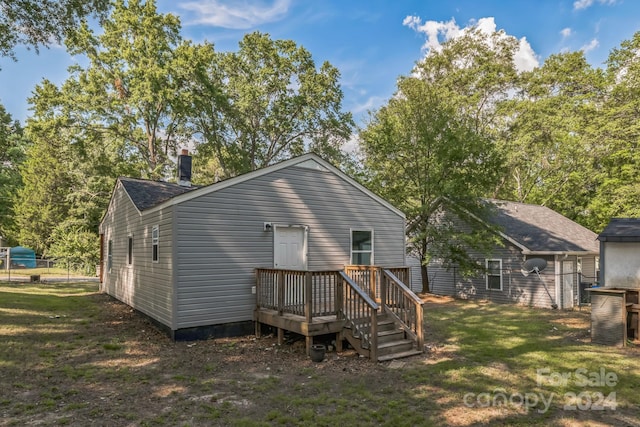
<point x="72" y="356"/>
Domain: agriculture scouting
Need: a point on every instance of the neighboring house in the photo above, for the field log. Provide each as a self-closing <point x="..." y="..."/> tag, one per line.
<point x="526" y="231"/>
<point x="186" y="256"/>
<point x="615" y="312"/>
<point x="620" y="253"/>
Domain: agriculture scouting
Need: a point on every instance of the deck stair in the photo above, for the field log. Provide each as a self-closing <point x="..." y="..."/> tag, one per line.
<point x="392" y="342"/>
<point x="370" y="307"/>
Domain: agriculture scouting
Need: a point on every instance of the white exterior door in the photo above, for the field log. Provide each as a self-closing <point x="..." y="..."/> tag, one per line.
<point x="567" y="284"/>
<point x="290" y="248"/>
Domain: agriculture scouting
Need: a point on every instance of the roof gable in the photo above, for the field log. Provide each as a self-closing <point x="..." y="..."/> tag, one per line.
<point x="540" y="229"/>
<point x="149" y="196"/>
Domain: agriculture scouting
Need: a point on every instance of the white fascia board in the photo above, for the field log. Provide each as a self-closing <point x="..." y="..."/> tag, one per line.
<point x="577" y="253"/>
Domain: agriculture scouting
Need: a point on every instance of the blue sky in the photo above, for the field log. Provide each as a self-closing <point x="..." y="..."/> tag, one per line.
<point x="371" y="42"/>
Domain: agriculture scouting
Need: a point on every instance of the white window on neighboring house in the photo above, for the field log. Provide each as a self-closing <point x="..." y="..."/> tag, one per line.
<point x="362" y="247"/>
<point x="494" y="274"/>
<point x="130" y="250"/>
<point x="155" y="240"/>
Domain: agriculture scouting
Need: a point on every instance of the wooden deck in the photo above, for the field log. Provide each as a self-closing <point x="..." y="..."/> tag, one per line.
<point x="320" y="325"/>
<point x="312" y="303"/>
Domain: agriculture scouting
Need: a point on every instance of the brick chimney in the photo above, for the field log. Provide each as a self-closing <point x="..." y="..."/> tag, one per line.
<point x="184" y="168"/>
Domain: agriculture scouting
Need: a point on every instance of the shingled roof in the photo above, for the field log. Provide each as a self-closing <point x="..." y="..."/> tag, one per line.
<point x="147" y="194"/>
<point x="621" y="230"/>
<point x="540" y="229"/>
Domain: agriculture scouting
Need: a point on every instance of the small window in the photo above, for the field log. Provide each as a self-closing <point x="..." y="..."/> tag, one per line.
<point x="361" y="247"/>
<point x="130" y="250"/>
<point x="109" y="254"/>
<point x="155" y="239"/>
<point x="494" y="274"/>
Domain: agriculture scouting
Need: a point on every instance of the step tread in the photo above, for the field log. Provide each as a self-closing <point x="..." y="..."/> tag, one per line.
<point x="400" y="355"/>
<point x="394" y="343"/>
<point x="390" y="332"/>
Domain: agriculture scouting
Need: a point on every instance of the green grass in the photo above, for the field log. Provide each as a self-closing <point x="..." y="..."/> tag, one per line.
<point x="72" y="356"/>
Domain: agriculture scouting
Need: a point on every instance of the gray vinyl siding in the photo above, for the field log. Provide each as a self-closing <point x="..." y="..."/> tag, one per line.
<point x="220" y="238"/>
<point x="516" y="288"/>
<point x="144" y="285"/>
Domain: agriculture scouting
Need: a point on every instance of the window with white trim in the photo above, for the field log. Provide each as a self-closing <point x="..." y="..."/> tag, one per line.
<point x="494" y="274"/>
<point x="130" y="250"/>
<point x="155" y="240"/>
<point x="109" y="254"/>
<point x="361" y="247"/>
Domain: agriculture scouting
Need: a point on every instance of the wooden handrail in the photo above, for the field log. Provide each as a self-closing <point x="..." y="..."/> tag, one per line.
<point x="405" y="306"/>
<point x="405" y="289"/>
<point x="367" y="299"/>
<point x="360" y="313"/>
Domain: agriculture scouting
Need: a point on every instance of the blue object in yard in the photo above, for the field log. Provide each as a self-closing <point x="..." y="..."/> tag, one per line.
<point x="23" y="257"/>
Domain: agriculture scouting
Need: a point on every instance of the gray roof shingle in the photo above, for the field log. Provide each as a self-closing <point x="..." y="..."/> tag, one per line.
<point x="147" y="194"/>
<point x="541" y="229"/>
<point x="621" y="230"/>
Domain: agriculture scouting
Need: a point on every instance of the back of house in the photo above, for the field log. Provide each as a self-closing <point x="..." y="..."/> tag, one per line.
<point x="186" y="256"/>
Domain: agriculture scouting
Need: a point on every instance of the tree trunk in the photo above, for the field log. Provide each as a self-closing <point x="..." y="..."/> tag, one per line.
<point x="425" y="279"/>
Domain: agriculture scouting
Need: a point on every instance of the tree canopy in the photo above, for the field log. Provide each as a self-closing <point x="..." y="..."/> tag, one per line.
<point x="264" y="103"/>
<point x="36" y="23"/>
<point x="464" y="124"/>
<point x="426" y="147"/>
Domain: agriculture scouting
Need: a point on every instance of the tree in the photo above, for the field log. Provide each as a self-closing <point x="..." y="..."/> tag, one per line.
<point x="617" y="167"/>
<point x="40" y="205"/>
<point x="131" y="91"/>
<point x="42" y="22"/>
<point x="12" y="154"/>
<point x="422" y="154"/>
<point x="475" y="72"/>
<point x="74" y="247"/>
<point x="435" y="143"/>
<point x="548" y="135"/>
<point x="265" y="103"/>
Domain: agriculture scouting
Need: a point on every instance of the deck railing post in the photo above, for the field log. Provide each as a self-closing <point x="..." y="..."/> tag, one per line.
<point x="257" y="281"/>
<point x="383" y="291"/>
<point x="372" y="282"/>
<point x="280" y="292"/>
<point x="419" y="327"/>
<point x="339" y="296"/>
<point x="373" y="350"/>
<point x="308" y="294"/>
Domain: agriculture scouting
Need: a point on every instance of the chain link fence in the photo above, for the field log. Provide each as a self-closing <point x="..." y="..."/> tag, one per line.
<point x="35" y="269"/>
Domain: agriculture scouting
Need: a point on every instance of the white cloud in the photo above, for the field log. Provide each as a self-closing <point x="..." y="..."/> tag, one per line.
<point x="525" y="58"/>
<point x="352" y="146"/>
<point x="566" y="32"/>
<point x="370" y="104"/>
<point x="583" y="4"/>
<point x="238" y="15"/>
<point x="590" y="46"/>
<point x="436" y="33"/>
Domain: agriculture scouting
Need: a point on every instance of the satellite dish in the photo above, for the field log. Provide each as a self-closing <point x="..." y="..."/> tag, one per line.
<point x="536" y="265"/>
<point x="533" y="265"/>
